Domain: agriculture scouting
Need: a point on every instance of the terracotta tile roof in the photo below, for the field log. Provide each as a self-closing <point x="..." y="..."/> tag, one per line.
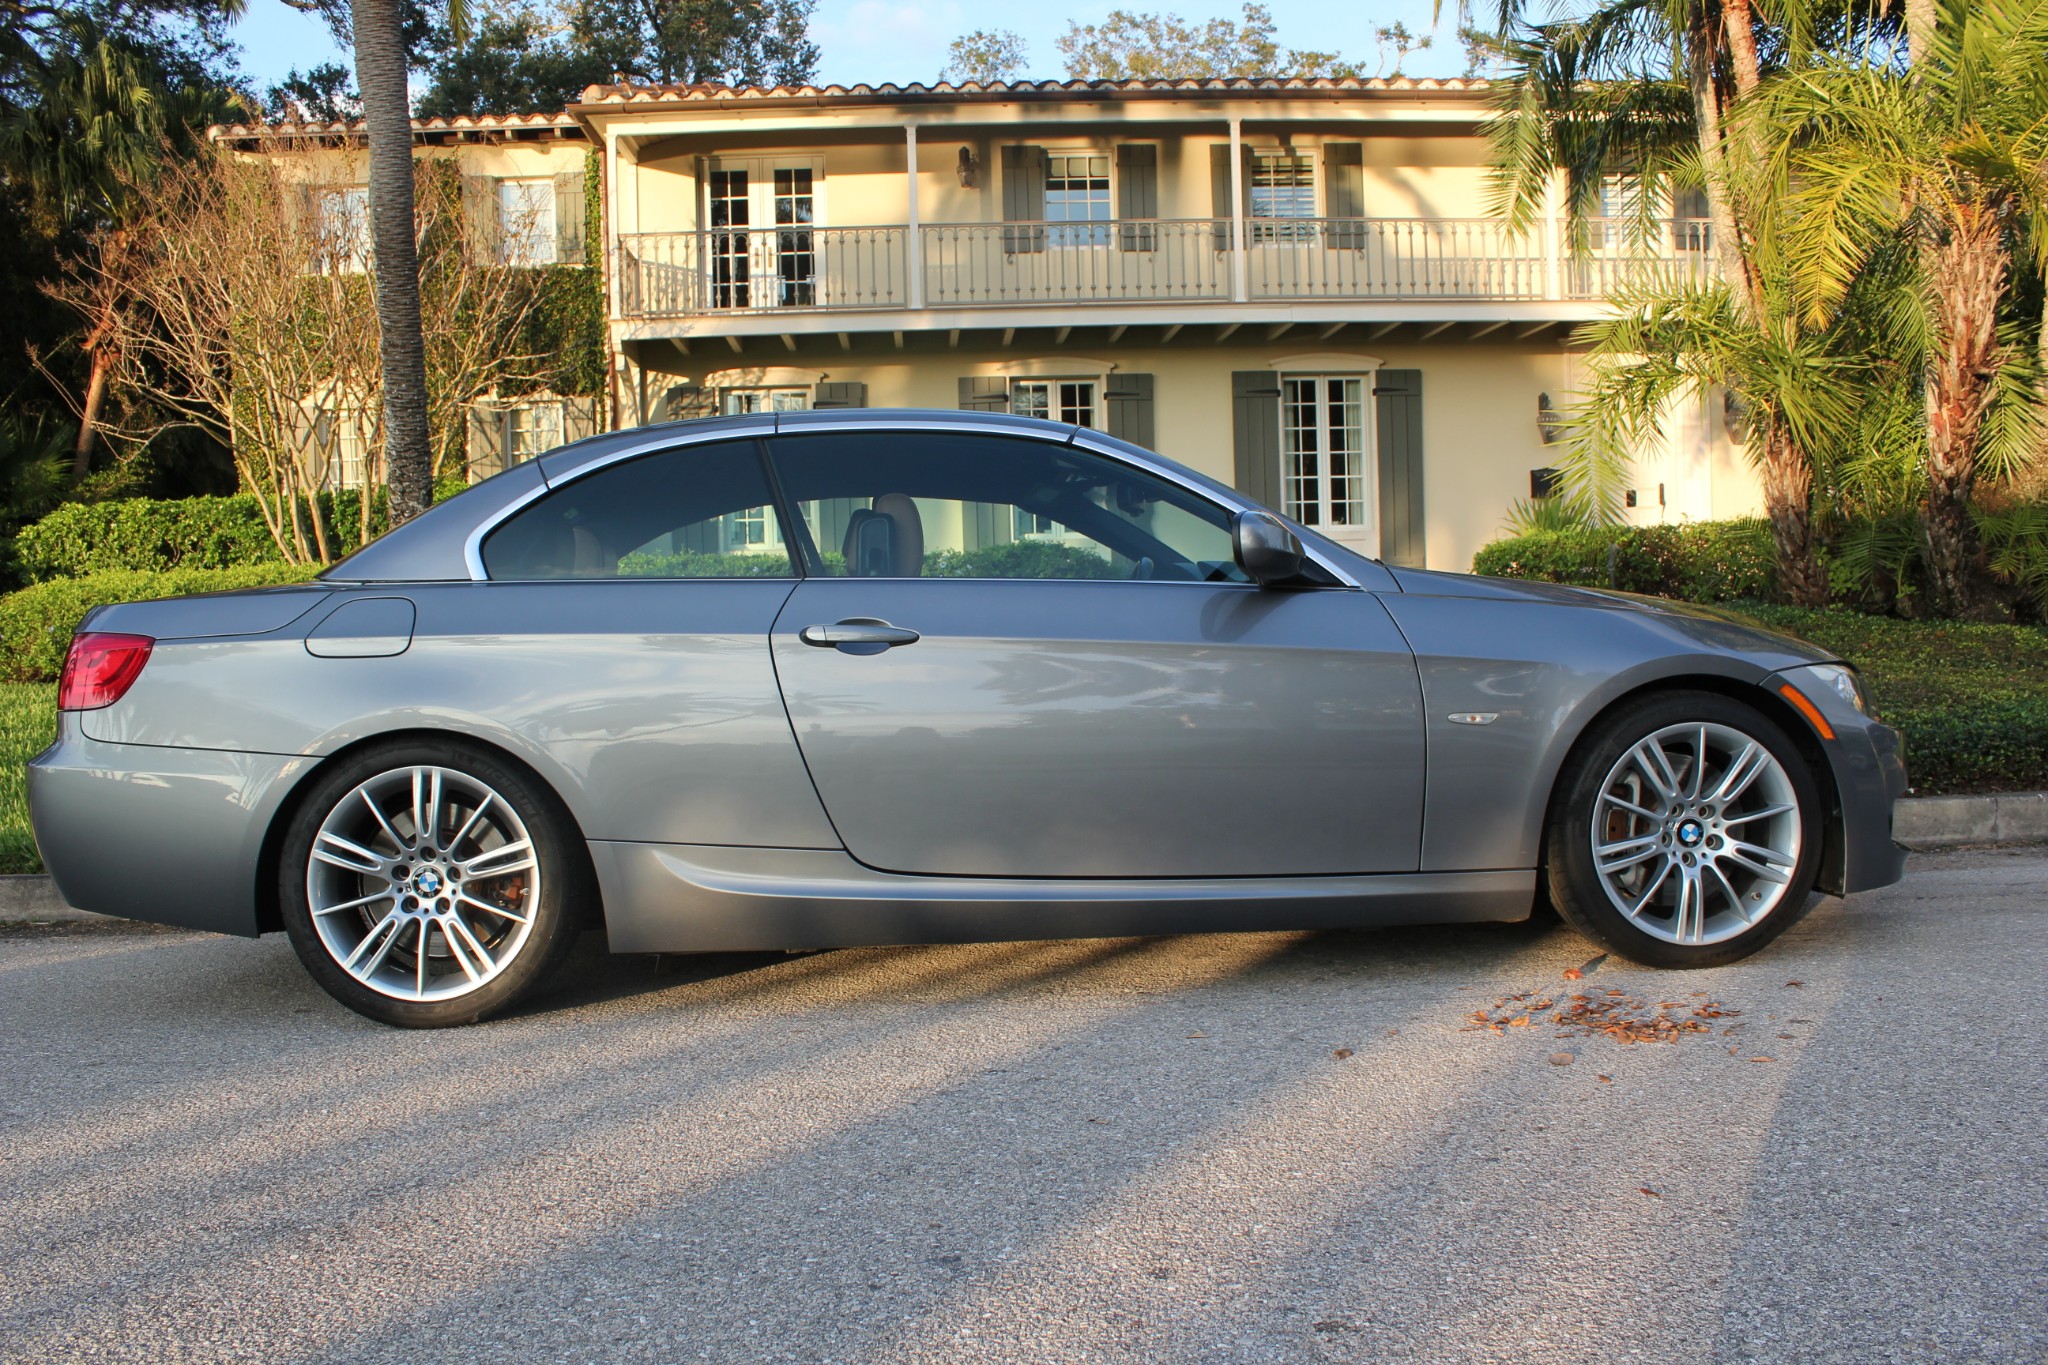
<point x="561" y="123"/>
<point x="635" y="92"/>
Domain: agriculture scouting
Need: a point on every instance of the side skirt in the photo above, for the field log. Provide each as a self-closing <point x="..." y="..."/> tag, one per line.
<point x="693" y="898"/>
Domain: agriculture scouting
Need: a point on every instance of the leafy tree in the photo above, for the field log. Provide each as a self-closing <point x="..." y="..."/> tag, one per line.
<point x="987" y="54"/>
<point x="1165" y="47"/>
<point x="1397" y="37"/>
<point x="731" y="42"/>
<point x="324" y="94"/>
<point x="1949" y="161"/>
<point x="520" y="63"/>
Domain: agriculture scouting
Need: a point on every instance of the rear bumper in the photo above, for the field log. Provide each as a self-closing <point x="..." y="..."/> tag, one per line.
<point x="172" y="836"/>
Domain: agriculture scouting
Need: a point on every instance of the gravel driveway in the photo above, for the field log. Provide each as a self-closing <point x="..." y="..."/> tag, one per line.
<point x="1283" y="1147"/>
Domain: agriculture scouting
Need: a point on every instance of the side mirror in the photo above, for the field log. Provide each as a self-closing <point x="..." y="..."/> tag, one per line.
<point x="1265" y="548"/>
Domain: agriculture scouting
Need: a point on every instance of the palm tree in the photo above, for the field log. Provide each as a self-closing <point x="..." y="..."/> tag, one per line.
<point x="1647" y="90"/>
<point x="382" y="64"/>
<point x="1949" y="159"/>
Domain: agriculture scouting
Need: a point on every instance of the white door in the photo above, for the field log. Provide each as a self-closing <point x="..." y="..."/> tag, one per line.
<point x="1329" y="473"/>
<point x="760" y="250"/>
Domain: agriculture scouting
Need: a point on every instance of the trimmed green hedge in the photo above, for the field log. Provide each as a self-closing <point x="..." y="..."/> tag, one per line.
<point x="36" y="623"/>
<point x="1971" y="700"/>
<point x="28" y="722"/>
<point x="183" y="533"/>
<point x="1708" y="561"/>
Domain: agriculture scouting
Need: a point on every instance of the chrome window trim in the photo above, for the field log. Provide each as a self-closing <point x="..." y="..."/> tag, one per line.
<point x="1080" y="437"/>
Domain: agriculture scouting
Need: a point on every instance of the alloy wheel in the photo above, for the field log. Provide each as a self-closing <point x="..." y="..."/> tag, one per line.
<point x="1696" y="833"/>
<point x="423" y="883"/>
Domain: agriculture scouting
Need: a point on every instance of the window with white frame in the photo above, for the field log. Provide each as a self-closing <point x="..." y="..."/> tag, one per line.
<point x="768" y="398"/>
<point x="1283" y="192"/>
<point x="532" y="429"/>
<point x="1054" y="400"/>
<point x="348" y="454"/>
<point x="341" y="226"/>
<point x="1325" y="460"/>
<point x="526" y="222"/>
<point x="1077" y="192"/>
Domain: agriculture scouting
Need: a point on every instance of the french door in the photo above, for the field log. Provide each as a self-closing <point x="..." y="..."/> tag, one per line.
<point x="760" y="249"/>
<point x="1328" y="474"/>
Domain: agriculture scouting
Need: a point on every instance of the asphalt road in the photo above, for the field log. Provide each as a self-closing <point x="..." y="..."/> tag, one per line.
<point x="1129" y="1150"/>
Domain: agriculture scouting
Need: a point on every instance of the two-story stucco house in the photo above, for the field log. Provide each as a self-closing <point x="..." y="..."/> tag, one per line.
<point x="1293" y="285"/>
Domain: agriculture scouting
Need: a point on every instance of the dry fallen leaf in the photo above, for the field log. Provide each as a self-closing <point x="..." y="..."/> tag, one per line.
<point x="1795" y="983"/>
<point x="1341" y="1053"/>
<point x="1784" y="1035"/>
<point x="1645" y="1189"/>
<point x="1573" y="974"/>
<point x="1763" y="1059"/>
<point x="1560" y="1059"/>
<point x="1198" y="1035"/>
<point x="1607" y="1079"/>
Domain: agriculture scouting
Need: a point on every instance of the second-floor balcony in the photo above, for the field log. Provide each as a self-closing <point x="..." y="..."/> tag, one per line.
<point x="965" y="266"/>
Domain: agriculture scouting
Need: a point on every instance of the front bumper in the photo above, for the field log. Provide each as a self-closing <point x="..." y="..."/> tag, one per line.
<point x="172" y="836"/>
<point x="1869" y="768"/>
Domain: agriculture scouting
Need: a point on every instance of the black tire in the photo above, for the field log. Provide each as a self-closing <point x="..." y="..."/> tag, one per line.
<point x="560" y="864"/>
<point x="1582" y="895"/>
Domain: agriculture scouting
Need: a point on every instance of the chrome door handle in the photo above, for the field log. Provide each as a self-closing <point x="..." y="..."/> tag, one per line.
<point x="857" y="631"/>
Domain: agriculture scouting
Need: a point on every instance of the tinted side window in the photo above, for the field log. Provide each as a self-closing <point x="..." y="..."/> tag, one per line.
<point x="945" y="505"/>
<point x="698" y="512"/>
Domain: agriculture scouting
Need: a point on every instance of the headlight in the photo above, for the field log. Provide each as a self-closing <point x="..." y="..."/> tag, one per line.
<point x="1845" y="683"/>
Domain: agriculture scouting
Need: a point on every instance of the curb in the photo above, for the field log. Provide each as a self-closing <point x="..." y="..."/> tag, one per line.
<point x="1920" y="822"/>
<point x="1943" y="821"/>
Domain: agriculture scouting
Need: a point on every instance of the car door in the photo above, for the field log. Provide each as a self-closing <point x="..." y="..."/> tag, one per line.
<point x="624" y="630"/>
<point x="1013" y="657"/>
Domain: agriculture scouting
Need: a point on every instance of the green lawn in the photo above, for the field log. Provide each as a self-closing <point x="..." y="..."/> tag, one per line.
<point x="1972" y="701"/>
<point x="28" y="722"/>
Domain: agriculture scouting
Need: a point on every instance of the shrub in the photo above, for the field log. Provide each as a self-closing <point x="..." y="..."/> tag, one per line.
<point x="1714" y="561"/>
<point x="182" y="533"/>
<point x="1019" y="559"/>
<point x="1971" y="700"/>
<point x="36" y="623"/>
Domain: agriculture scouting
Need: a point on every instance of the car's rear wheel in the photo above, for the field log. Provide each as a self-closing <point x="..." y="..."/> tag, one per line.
<point x="1685" y="832"/>
<point x="427" y="885"/>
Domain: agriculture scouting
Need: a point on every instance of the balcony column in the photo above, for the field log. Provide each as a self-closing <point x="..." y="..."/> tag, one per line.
<point x="1239" y="287"/>
<point x="1553" y="244"/>
<point x="913" y="243"/>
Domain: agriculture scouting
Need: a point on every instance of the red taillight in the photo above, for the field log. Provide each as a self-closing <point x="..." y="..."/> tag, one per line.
<point x="100" y="669"/>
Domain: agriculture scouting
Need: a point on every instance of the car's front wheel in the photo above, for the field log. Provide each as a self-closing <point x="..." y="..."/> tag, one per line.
<point x="426" y="885"/>
<point x="1685" y="832"/>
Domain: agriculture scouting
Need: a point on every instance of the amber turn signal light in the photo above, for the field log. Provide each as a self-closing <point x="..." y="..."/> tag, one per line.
<point x="1807" y="709"/>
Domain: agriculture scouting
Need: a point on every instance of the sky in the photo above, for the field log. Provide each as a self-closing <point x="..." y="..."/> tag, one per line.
<point x="906" y="40"/>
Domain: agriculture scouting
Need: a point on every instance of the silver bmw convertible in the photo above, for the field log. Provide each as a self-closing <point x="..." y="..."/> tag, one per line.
<point x="815" y="680"/>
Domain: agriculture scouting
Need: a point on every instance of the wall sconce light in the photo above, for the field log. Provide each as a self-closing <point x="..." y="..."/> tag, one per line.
<point x="1549" y="421"/>
<point x="1735" y="416"/>
<point x="969" y="168"/>
<point x="1544" y="483"/>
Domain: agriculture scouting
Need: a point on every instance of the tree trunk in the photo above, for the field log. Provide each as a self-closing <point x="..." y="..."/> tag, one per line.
<point x="1788" y="500"/>
<point x="89" y="415"/>
<point x="381" y="75"/>
<point x="1706" y="100"/>
<point x="1920" y="20"/>
<point x="1966" y="273"/>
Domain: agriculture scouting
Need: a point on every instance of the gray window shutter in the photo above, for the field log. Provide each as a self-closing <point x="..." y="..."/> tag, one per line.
<point x="1344" y="177"/>
<point x="1398" y="398"/>
<point x="985" y="393"/>
<point x="1255" y="414"/>
<point x="486" y="441"/>
<point x="1137" y="188"/>
<point x="684" y="401"/>
<point x="480" y="206"/>
<point x="1023" y="197"/>
<point x="579" y="419"/>
<point x="1130" y="408"/>
<point x="569" y="218"/>
<point x="845" y="394"/>
<point x="1219" y="189"/>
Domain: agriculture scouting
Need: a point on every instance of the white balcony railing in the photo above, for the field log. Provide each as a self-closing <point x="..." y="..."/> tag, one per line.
<point x="684" y="274"/>
<point x="973" y="265"/>
<point x="1155" y="261"/>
